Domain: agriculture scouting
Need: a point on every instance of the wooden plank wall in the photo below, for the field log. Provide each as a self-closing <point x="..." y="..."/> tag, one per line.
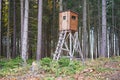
<point x="68" y="22"/>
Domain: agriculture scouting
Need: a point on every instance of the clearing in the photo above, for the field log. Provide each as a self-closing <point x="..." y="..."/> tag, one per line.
<point x="46" y="69"/>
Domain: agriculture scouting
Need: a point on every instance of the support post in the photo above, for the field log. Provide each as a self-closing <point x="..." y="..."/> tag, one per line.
<point x="72" y="46"/>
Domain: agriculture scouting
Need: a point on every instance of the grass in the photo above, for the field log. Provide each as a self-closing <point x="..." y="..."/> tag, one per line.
<point x="62" y="68"/>
<point x="11" y="66"/>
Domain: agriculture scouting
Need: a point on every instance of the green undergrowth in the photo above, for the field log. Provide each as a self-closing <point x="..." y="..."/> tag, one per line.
<point x="11" y="66"/>
<point x="104" y="66"/>
<point x="62" y="67"/>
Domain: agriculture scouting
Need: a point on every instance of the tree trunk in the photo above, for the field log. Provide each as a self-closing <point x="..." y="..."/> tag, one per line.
<point x="113" y="33"/>
<point x="89" y="41"/>
<point x="84" y="30"/>
<point x="14" y="32"/>
<point x="117" y="38"/>
<point x="39" y="38"/>
<point x="52" y="27"/>
<point x="99" y="30"/>
<point x="108" y="42"/>
<point x="95" y="38"/>
<point x="0" y="27"/>
<point x="61" y="6"/>
<point x="25" y="33"/>
<point x="103" y="45"/>
<point x="22" y="21"/>
<point x="8" y="33"/>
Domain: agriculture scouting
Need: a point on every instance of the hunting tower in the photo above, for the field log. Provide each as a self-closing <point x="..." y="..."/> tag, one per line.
<point x="68" y="42"/>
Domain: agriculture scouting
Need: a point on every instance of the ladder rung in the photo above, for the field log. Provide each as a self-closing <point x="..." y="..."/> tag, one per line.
<point x="58" y="43"/>
<point x="65" y="49"/>
<point x="58" y="46"/>
<point x="61" y="36"/>
<point x="56" y="52"/>
<point x="60" y="39"/>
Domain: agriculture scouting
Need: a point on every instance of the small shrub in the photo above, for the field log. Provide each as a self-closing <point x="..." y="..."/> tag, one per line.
<point x="54" y="66"/>
<point x="63" y="62"/>
<point x="12" y="63"/>
<point x="74" y="64"/>
<point x="11" y="66"/>
<point x="46" y="61"/>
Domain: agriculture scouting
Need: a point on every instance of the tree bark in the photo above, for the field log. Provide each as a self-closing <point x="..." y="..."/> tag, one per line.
<point x="8" y="33"/>
<point x="89" y="41"/>
<point x="61" y="6"/>
<point x="53" y="27"/>
<point x="39" y="38"/>
<point x="22" y="21"/>
<point x="25" y="33"/>
<point x="103" y="45"/>
<point x="14" y="32"/>
<point x="0" y="27"/>
<point x="99" y="30"/>
<point x="95" y="38"/>
<point x="84" y="30"/>
<point x="113" y="33"/>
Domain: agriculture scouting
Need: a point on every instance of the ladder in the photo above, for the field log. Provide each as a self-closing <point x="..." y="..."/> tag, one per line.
<point x="69" y="42"/>
<point x="60" y="43"/>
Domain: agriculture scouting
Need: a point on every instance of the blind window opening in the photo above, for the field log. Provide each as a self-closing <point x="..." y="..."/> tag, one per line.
<point x="74" y="17"/>
<point x="64" y="17"/>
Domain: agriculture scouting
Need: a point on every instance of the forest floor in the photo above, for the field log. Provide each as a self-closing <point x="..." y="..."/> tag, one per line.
<point x="99" y="69"/>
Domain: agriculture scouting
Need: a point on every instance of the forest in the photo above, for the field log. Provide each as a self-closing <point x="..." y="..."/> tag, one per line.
<point x="30" y="33"/>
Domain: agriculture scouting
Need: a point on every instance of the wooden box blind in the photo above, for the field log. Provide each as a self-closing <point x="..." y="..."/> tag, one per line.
<point x="68" y="20"/>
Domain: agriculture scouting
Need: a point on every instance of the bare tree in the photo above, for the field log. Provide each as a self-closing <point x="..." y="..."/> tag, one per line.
<point x="89" y="33"/>
<point x="53" y="25"/>
<point x="14" y="32"/>
<point x="0" y="26"/>
<point x="84" y="29"/>
<point x="99" y="29"/>
<point x="8" y="33"/>
<point x="25" y="33"/>
<point x="103" y="44"/>
<point x="39" y="38"/>
<point x="22" y="22"/>
<point x="113" y="33"/>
